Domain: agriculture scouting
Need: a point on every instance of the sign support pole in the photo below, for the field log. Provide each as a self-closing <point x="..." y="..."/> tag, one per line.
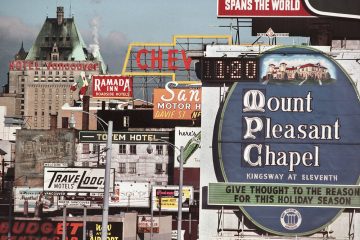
<point x="107" y="182"/>
<point x="64" y="224"/>
<point x="84" y="222"/>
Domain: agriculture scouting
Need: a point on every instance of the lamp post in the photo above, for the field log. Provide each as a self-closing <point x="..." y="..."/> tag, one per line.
<point x="105" y="215"/>
<point x="181" y="173"/>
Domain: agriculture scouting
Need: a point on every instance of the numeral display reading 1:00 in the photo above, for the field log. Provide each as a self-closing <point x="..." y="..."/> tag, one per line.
<point x="229" y="69"/>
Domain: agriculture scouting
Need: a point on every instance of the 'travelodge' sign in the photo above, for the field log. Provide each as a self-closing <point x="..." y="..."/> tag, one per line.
<point x="76" y="180"/>
<point x="299" y="126"/>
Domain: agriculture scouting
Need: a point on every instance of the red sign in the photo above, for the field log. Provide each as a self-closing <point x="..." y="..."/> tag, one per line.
<point x="39" y="230"/>
<point x="23" y="65"/>
<point x="177" y="103"/>
<point x="112" y="86"/>
<point x="262" y="8"/>
<point x="171" y="59"/>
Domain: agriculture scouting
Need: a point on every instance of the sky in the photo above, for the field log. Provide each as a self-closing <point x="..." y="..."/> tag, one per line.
<point x="115" y="23"/>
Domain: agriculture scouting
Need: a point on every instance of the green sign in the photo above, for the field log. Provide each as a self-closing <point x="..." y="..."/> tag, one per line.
<point x="298" y="195"/>
<point x="123" y="137"/>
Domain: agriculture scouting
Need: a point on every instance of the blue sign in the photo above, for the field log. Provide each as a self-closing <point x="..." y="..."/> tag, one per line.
<point x="299" y="125"/>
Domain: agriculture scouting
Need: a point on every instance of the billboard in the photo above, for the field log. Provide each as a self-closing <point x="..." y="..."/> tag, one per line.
<point x="168" y="61"/>
<point x="166" y="198"/>
<point x="286" y="146"/>
<point x="34" y="148"/>
<point x="33" y="196"/>
<point x="177" y="103"/>
<point x="112" y="86"/>
<point x="262" y="8"/>
<point x="189" y="138"/>
<point x="130" y="194"/>
<point x="144" y="224"/>
<point x="63" y="180"/>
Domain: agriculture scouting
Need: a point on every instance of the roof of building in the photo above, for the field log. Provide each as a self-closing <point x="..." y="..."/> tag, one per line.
<point x="21" y="55"/>
<point x="2" y="152"/>
<point x="67" y="38"/>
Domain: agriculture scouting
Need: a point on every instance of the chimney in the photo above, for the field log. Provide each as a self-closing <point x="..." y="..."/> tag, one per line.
<point x="60" y="15"/>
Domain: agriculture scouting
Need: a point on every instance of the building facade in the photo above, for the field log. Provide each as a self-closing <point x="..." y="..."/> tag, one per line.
<point x="41" y="78"/>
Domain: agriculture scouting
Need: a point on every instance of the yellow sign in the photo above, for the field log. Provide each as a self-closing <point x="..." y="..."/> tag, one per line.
<point x="174" y="59"/>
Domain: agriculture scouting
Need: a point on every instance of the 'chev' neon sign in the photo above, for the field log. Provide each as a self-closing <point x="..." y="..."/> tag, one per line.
<point x="156" y="58"/>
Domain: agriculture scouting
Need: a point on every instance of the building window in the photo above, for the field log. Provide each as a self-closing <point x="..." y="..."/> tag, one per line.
<point x="50" y="79"/>
<point x="132" y="149"/>
<point x="85" y="148"/>
<point x="122" y="149"/>
<point x="158" y="168"/>
<point x="132" y="168"/>
<point x="159" y="150"/>
<point x="122" y="167"/>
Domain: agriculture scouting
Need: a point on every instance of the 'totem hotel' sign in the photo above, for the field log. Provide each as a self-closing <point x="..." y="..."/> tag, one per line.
<point x="262" y="8"/>
<point x="298" y="125"/>
<point x="112" y="86"/>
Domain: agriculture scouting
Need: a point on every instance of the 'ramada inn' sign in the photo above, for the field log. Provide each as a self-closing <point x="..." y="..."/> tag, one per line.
<point x="289" y="146"/>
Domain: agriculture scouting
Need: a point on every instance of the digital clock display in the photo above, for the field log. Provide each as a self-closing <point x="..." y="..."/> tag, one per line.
<point x="229" y="69"/>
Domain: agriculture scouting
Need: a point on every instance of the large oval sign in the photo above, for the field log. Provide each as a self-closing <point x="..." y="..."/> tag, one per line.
<point x="299" y="126"/>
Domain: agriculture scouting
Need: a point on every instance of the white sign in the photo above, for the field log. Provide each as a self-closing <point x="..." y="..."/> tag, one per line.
<point x="144" y="224"/>
<point x="270" y="33"/>
<point x="33" y="196"/>
<point x="76" y="180"/>
<point x="130" y="194"/>
<point x="75" y="203"/>
<point x="189" y="138"/>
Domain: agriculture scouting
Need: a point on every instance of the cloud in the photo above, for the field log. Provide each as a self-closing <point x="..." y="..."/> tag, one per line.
<point x="13" y="31"/>
<point x="113" y="49"/>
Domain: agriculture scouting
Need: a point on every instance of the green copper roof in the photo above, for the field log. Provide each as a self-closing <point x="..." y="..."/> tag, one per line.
<point x="68" y="39"/>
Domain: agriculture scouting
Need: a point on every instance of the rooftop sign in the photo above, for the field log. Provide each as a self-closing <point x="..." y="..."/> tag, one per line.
<point x="262" y="8"/>
<point x="112" y="86"/>
<point x="172" y="60"/>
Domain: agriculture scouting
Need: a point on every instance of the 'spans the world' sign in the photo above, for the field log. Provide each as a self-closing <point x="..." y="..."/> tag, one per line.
<point x="299" y="125"/>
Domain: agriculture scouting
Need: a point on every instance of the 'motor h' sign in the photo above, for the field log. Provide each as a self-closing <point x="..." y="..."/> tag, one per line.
<point x="298" y="125"/>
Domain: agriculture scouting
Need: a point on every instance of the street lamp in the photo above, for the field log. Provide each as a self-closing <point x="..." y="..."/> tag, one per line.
<point x="149" y="149"/>
<point x="105" y="215"/>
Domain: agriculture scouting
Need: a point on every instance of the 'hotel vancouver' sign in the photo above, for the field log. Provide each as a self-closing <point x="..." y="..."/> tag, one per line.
<point x="288" y="146"/>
